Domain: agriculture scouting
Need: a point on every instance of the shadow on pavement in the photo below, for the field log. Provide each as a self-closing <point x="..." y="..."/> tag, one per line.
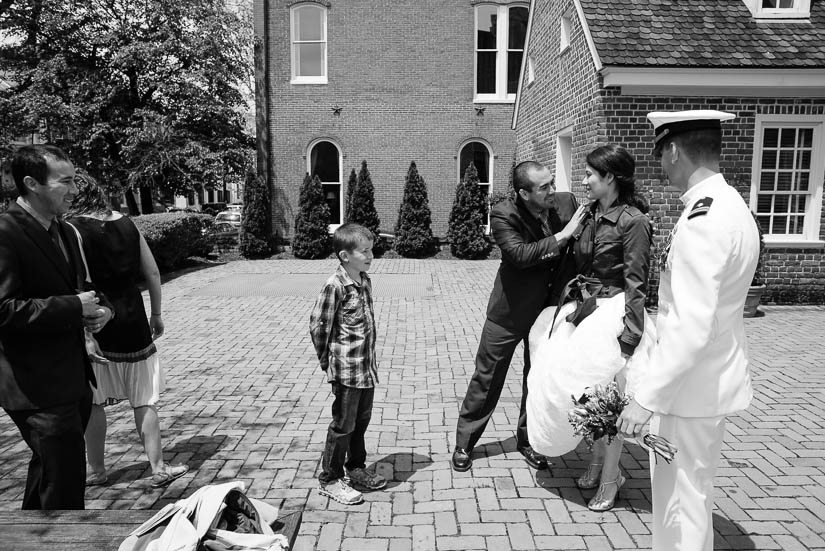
<point x="198" y="449"/>
<point x="493" y="449"/>
<point x="400" y="466"/>
<point x="729" y="535"/>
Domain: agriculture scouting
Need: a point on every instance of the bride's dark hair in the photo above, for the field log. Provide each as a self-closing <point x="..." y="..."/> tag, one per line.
<point x="90" y="198"/>
<point x="616" y="160"/>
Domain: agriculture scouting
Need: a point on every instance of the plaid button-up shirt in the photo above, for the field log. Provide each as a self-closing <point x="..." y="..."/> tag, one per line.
<point x="342" y="326"/>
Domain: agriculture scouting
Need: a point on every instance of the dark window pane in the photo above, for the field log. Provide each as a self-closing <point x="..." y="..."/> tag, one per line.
<point x="767" y="181"/>
<point x="803" y="160"/>
<point x="806" y="137"/>
<point x="475" y="152"/>
<point x="513" y="71"/>
<point x="487" y="21"/>
<point x="769" y="159"/>
<point x="780" y="203"/>
<point x="763" y="204"/>
<point x="771" y="137"/>
<point x="310" y="59"/>
<point x="309" y="23"/>
<point x="798" y="204"/>
<point x="783" y="182"/>
<point x="324" y="162"/>
<point x="786" y="159"/>
<point x="764" y="222"/>
<point x="788" y="137"/>
<point x="802" y="181"/>
<point x="797" y="223"/>
<point x="486" y="73"/>
<point x="332" y="196"/>
<point x="517" y="29"/>
<point x="780" y="224"/>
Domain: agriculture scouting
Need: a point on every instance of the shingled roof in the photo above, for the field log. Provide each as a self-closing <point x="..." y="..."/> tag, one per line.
<point x="701" y="33"/>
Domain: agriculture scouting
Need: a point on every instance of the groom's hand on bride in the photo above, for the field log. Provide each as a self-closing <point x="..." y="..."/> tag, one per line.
<point x="633" y="419"/>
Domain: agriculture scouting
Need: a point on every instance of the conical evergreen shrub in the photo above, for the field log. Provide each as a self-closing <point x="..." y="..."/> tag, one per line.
<point x="362" y="204"/>
<point x="353" y="179"/>
<point x="312" y="222"/>
<point x="255" y="239"/>
<point x="468" y="218"/>
<point x="413" y="231"/>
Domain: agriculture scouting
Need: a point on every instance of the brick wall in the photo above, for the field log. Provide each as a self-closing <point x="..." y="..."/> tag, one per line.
<point x="568" y="91"/>
<point x="402" y="73"/>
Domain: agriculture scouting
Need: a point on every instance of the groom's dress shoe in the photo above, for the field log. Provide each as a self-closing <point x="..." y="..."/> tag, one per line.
<point x="461" y="460"/>
<point x="533" y="458"/>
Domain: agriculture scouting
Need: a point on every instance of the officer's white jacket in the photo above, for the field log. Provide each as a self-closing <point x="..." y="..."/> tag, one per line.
<point x="699" y="367"/>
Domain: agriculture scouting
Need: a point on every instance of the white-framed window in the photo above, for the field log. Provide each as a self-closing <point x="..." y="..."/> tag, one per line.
<point x="324" y="160"/>
<point x="309" y="44"/>
<point x="788" y="172"/>
<point x="565" y="30"/>
<point x="780" y="9"/>
<point x="564" y="159"/>
<point x="500" y="32"/>
<point x="481" y="155"/>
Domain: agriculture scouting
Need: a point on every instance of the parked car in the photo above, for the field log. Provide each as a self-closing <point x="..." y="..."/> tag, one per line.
<point x="231" y="217"/>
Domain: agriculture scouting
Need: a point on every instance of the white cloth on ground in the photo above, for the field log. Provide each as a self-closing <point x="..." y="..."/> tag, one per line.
<point x="573" y="359"/>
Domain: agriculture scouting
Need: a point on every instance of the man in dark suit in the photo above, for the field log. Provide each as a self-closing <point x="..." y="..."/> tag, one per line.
<point x="44" y="369"/>
<point x="532" y="231"/>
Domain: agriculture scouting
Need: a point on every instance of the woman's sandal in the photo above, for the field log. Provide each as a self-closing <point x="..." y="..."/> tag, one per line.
<point x="168" y="474"/>
<point x="599" y="503"/>
<point x="97" y="479"/>
<point x="590" y="478"/>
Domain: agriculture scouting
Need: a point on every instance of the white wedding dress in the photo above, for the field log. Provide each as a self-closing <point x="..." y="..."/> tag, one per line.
<point x="573" y="359"/>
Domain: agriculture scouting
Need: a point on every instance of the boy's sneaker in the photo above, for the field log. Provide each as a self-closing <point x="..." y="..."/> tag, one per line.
<point x="341" y="492"/>
<point x="366" y="479"/>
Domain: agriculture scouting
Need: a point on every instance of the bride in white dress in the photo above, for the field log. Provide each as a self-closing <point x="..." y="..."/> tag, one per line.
<point x="613" y="342"/>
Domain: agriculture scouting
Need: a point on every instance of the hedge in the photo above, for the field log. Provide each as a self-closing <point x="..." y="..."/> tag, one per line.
<point x="175" y="236"/>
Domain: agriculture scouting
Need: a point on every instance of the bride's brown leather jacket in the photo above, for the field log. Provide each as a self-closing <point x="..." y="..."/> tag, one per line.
<point x="615" y="248"/>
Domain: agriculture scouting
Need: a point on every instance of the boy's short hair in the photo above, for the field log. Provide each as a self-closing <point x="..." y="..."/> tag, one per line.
<point x="348" y="236"/>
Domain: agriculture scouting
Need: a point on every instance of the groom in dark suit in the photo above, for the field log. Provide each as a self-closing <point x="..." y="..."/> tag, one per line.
<point x="533" y="232"/>
<point x="44" y="369"/>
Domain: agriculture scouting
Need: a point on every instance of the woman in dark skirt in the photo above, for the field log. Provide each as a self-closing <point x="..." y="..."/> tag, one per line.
<point x="118" y="258"/>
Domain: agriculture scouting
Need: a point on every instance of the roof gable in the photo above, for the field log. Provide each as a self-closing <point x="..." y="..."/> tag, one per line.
<point x="701" y="33"/>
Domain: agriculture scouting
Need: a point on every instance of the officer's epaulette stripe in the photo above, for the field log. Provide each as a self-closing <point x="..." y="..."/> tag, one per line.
<point x="701" y="207"/>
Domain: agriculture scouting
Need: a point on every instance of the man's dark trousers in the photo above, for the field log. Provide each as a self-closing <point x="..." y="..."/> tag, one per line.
<point x="57" y="469"/>
<point x="351" y="414"/>
<point x="495" y="351"/>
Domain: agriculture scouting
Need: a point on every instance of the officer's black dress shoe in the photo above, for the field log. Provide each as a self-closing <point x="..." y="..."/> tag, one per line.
<point x="461" y="460"/>
<point x="533" y="458"/>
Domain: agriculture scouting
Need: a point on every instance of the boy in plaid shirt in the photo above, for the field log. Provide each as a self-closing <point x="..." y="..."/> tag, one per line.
<point x="342" y="326"/>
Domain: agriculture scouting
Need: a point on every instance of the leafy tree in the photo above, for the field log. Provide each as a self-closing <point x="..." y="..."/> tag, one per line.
<point x="255" y="238"/>
<point x="147" y="94"/>
<point x="353" y="179"/>
<point x="311" y="238"/>
<point x="467" y="218"/>
<point x="362" y="203"/>
<point x="413" y="231"/>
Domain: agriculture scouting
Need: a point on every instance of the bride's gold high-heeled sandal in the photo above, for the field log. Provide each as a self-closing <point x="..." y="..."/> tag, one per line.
<point x="590" y="478"/>
<point x="601" y="504"/>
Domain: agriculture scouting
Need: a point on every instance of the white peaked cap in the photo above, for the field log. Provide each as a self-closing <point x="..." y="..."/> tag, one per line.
<point x="667" y="124"/>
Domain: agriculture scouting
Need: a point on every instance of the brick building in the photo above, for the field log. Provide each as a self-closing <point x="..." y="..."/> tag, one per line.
<point x="388" y="82"/>
<point x="594" y="69"/>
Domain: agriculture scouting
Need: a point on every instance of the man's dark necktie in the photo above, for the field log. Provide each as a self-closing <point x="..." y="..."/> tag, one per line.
<point x="54" y="232"/>
<point x="545" y="224"/>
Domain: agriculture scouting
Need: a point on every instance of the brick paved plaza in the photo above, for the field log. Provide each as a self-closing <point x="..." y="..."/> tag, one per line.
<point x="246" y="400"/>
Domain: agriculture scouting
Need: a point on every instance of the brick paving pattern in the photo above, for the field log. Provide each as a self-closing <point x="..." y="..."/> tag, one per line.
<point x="246" y="400"/>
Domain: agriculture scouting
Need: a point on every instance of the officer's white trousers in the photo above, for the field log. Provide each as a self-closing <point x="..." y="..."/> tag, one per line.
<point x="683" y="489"/>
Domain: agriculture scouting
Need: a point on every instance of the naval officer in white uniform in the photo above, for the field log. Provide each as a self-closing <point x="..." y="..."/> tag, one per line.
<point x="699" y="367"/>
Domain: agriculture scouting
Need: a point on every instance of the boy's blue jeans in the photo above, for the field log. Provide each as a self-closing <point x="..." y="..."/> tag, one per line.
<point x="351" y="414"/>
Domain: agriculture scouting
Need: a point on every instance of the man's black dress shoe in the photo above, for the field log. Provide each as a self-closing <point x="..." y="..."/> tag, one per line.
<point x="461" y="460"/>
<point x="533" y="458"/>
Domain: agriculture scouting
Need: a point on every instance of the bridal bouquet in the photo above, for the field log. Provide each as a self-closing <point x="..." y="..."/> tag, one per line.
<point x="596" y="412"/>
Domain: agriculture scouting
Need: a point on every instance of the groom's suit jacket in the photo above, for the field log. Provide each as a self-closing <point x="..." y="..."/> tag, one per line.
<point x="533" y="267"/>
<point x="43" y="361"/>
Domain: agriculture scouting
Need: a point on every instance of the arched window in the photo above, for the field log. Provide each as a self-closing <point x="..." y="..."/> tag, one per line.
<point x="324" y="160"/>
<point x="478" y="153"/>
<point x="309" y="44"/>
